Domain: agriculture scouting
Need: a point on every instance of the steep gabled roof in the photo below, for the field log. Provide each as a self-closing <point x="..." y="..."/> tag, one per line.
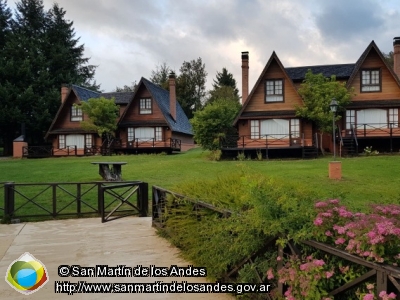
<point x="161" y="97"/>
<point x="362" y="58"/>
<point x="273" y="57"/>
<point x="341" y="71"/>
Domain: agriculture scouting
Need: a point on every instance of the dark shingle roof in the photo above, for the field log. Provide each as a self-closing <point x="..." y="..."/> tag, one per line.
<point x="161" y="96"/>
<point x="85" y="94"/>
<point x="342" y="71"/>
<point x="120" y="97"/>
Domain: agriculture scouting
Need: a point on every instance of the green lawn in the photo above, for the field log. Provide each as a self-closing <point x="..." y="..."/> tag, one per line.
<point x="374" y="179"/>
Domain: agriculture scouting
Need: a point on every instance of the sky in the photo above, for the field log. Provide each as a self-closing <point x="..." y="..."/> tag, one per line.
<point x="127" y="39"/>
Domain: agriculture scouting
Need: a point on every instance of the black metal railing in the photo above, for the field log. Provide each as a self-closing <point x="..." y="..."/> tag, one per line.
<point x="261" y="141"/>
<point x="374" y="129"/>
<point x="66" y="151"/>
<point x="37" y="151"/>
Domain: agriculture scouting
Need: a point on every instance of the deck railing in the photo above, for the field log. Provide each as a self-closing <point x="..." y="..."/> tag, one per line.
<point x="261" y="141"/>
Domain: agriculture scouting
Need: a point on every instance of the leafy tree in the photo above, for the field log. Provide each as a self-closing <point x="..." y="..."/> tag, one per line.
<point x="224" y="92"/>
<point x="126" y="88"/>
<point x="160" y="75"/>
<point x="38" y="55"/>
<point x="190" y="86"/>
<point x="317" y="92"/>
<point x="213" y="122"/>
<point x="225" y="78"/>
<point x="103" y="114"/>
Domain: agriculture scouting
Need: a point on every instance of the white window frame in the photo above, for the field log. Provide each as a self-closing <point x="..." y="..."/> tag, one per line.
<point x="350" y="118"/>
<point x="88" y="140"/>
<point x="393" y="115"/>
<point x="61" y="141"/>
<point x="131" y="134"/>
<point x="158" y="134"/>
<point x="295" y="128"/>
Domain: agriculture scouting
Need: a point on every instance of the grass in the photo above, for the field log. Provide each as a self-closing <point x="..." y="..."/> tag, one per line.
<point x="373" y="179"/>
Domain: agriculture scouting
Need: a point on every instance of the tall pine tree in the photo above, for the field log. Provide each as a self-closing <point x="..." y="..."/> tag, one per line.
<point x="40" y="54"/>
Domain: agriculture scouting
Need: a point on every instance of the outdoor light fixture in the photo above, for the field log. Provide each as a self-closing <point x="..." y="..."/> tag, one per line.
<point x="333" y="106"/>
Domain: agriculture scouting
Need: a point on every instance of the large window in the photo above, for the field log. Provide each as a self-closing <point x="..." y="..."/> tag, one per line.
<point x="370" y="80"/>
<point x="274" y="90"/>
<point x="77" y="140"/>
<point x="145" y="134"/>
<point x="145" y="106"/>
<point x="350" y="118"/>
<point x="275" y="128"/>
<point x="372" y="118"/>
<point x="393" y="117"/>
<point x="76" y="113"/>
<point x="88" y="140"/>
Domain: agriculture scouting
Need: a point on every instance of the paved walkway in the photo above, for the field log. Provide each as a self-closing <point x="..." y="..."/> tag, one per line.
<point x="128" y="241"/>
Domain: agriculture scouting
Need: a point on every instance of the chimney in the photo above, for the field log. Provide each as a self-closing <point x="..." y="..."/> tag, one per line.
<point x="245" y="76"/>
<point x="172" y="96"/>
<point x="64" y="92"/>
<point x="396" y="56"/>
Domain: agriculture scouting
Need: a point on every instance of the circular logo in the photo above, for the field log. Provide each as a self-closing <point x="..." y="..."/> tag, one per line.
<point x="26" y="274"/>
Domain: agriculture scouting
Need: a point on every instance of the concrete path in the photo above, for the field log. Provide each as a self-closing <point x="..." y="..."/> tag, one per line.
<point x="128" y="241"/>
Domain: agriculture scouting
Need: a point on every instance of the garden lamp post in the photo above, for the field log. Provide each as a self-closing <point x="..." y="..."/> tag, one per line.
<point x="333" y="106"/>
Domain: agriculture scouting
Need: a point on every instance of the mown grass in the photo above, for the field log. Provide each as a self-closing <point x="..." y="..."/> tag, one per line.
<point x="373" y="179"/>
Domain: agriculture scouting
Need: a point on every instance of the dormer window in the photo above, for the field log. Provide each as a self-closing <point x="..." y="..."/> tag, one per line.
<point x="76" y="113"/>
<point x="145" y="106"/>
<point x="371" y="80"/>
<point x="274" y="90"/>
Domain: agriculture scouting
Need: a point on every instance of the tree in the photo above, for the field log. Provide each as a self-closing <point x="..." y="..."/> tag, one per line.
<point x="39" y="54"/>
<point x="389" y="58"/>
<point x="160" y="75"/>
<point x="103" y="114"/>
<point x="225" y="78"/>
<point x="190" y="86"/>
<point x="317" y="92"/>
<point x="213" y="122"/>
<point x="126" y="88"/>
<point x="223" y="92"/>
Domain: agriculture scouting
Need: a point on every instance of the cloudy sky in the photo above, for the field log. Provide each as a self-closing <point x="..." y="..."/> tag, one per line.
<point x="127" y="39"/>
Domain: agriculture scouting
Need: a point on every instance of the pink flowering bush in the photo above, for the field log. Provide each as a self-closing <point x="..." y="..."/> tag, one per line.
<point x="374" y="236"/>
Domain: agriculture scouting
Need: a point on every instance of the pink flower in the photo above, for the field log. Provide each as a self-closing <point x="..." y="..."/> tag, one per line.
<point x="369" y="297"/>
<point x="279" y="258"/>
<point x="321" y="204"/>
<point x="328" y="233"/>
<point x="370" y="286"/>
<point x="319" y="262"/>
<point x="334" y="201"/>
<point x="366" y="253"/>
<point x="318" y="222"/>
<point x="340" y="241"/>
<point x="303" y="266"/>
<point x="270" y="274"/>
<point x="329" y="274"/>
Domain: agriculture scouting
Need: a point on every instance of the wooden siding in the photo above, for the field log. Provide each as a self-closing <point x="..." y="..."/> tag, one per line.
<point x="64" y="119"/>
<point x="390" y="88"/>
<point x="291" y="98"/>
<point x="187" y="141"/>
<point x="132" y="113"/>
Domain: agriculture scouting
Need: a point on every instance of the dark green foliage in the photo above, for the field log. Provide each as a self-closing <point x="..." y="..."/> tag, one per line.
<point x="225" y="78"/>
<point x="127" y="88"/>
<point x="160" y="75"/>
<point x="261" y="208"/>
<point x="214" y="122"/>
<point x="389" y="58"/>
<point x="317" y="92"/>
<point x="38" y="55"/>
<point x="223" y="93"/>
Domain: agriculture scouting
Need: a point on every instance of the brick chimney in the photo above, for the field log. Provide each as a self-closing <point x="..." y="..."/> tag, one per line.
<point x="245" y="76"/>
<point x="396" y="56"/>
<point x="172" y="96"/>
<point x="64" y="92"/>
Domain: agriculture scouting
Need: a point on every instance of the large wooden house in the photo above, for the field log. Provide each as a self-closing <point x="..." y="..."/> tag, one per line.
<point x="150" y="120"/>
<point x="268" y="122"/>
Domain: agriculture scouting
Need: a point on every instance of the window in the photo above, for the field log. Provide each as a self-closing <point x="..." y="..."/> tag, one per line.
<point x="275" y="128"/>
<point x="370" y="81"/>
<point x="255" y="129"/>
<point x="88" y="140"/>
<point x="274" y="90"/>
<point x="393" y="117"/>
<point x="145" y="134"/>
<point x="372" y="118"/>
<point x="350" y="118"/>
<point x="76" y="113"/>
<point x="158" y="134"/>
<point x="295" y="128"/>
<point x="61" y="141"/>
<point x="145" y="106"/>
<point x="77" y="140"/>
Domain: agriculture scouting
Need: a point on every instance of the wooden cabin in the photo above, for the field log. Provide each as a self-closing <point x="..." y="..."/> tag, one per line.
<point x="268" y="123"/>
<point x="150" y="120"/>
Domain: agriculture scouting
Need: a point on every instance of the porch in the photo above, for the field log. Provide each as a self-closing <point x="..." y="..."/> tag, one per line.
<point x="146" y="145"/>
